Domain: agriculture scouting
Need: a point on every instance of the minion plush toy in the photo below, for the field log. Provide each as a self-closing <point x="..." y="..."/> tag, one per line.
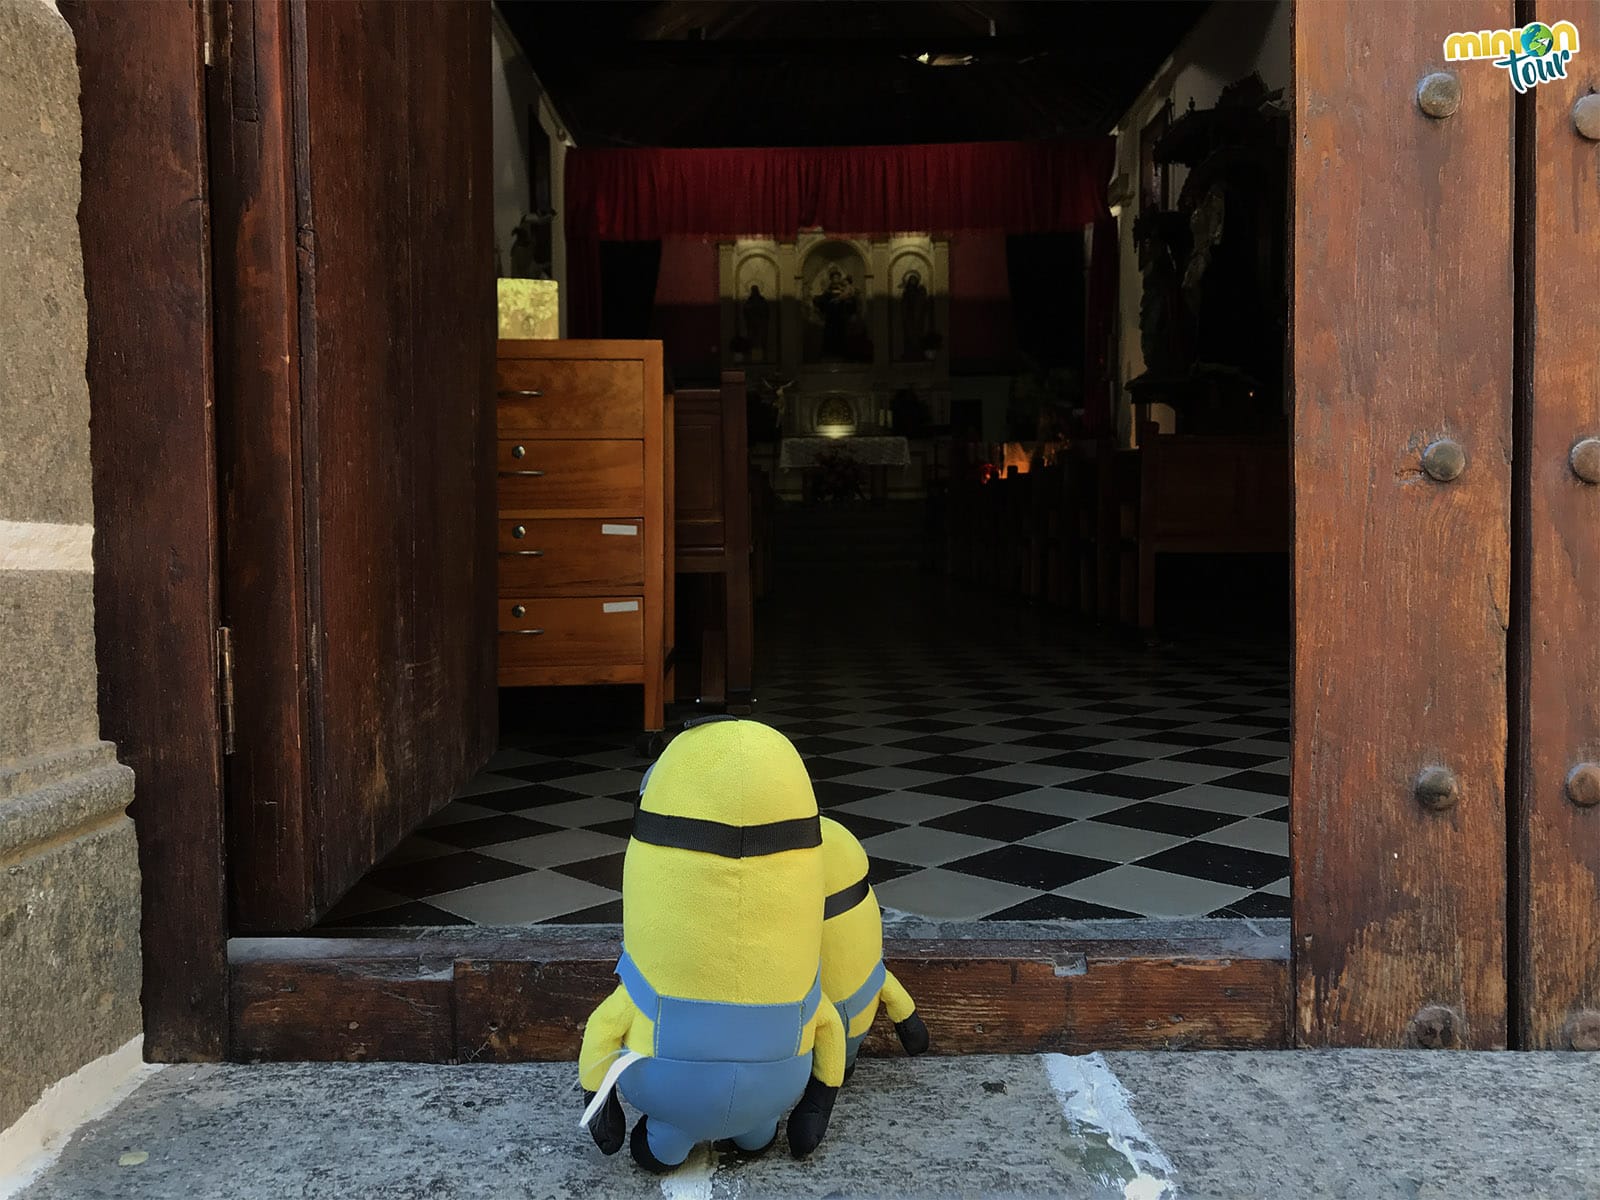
<point x="852" y="949"/>
<point x="720" y="1025"/>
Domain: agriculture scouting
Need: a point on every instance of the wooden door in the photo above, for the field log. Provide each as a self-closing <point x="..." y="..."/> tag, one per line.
<point x="1403" y="321"/>
<point x="355" y="276"/>
<point x="1557" y="857"/>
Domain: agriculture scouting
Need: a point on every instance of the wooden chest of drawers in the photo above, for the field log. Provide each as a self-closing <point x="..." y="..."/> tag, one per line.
<point x="585" y="516"/>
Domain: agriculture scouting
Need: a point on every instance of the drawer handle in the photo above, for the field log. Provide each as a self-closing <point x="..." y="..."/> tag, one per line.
<point x="523" y="393"/>
<point x="529" y="632"/>
<point x="521" y="531"/>
<point x="519" y="452"/>
<point x="522" y="472"/>
<point x="518" y="610"/>
<point x="529" y="553"/>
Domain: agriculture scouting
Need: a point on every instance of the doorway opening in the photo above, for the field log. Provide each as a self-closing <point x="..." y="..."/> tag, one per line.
<point x="1020" y="507"/>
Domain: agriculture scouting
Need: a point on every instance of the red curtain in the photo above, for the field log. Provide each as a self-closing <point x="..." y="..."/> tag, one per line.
<point x="644" y="195"/>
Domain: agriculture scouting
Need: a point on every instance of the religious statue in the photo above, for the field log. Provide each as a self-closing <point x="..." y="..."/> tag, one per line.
<point x="916" y="315"/>
<point x="757" y="319"/>
<point x="530" y="246"/>
<point x="1164" y="319"/>
<point x="837" y="303"/>
<point x="780" y="396"/>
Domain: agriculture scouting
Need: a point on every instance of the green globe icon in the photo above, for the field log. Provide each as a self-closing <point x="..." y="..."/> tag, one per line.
<point x="1537" y="39"/>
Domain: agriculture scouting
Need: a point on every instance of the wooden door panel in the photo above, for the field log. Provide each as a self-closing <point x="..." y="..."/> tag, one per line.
<point x="356" y="381"/>
<point x="360" y="570"/>
<point x="255" y="274"/>
<point x="1558" y="864"/>
<point x="1402" y="337"/>
<point x="450" y="663"/>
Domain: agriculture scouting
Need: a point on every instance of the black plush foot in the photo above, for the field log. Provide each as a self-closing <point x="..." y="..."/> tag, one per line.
<point x="808" y="1123"/>
<point x="639" y="1147"/>
<point x="849" y="1071"/>
<point x="609" y="1127"/>
<point x="913" y="1034"/>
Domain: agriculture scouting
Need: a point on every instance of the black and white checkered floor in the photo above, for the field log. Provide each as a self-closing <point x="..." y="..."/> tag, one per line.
<point x="1031" y="773"/>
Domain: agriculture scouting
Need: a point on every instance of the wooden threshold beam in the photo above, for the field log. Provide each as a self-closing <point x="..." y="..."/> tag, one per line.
<point x="523" y="997"/>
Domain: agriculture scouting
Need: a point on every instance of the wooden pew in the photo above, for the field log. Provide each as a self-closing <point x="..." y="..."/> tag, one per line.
<point x="1208" y="495"/>
<point x="712" y="489"/>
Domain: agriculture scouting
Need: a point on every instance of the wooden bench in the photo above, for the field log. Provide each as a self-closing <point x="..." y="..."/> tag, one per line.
<point x="1207" y="495"/>
<point x="712" y="492"/>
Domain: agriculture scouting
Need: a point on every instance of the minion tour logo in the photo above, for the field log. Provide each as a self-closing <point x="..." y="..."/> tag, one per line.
<point x="1532" y="55"/>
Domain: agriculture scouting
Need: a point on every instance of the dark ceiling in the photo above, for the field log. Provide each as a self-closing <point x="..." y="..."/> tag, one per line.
<point x="825" y="72"/>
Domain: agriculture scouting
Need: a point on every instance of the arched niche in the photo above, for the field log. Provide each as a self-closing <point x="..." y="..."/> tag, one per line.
<point x="912" y="289"/>
<point x="835" y="303"/>
<point x="758" y="301"/>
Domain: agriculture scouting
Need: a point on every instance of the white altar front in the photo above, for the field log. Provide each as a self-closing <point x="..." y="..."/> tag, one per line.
<point x="798" y="453"/>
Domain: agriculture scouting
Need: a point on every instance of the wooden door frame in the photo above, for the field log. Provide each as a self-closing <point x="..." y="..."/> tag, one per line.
<point x="143" y="225"/>
<point x="499" y="995"/>
<point x="486" y="994"/>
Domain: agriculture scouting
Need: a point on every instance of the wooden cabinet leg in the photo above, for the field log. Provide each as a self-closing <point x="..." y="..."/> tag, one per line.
<point x="1147" y="587"/>
<point x="740" y="625"/>
<point x="655" y="682"/>
<point x="713" y="667"/>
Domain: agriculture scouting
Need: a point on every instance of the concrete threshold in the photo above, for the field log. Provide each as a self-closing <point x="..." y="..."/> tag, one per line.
<point x="1140" y="1126"/>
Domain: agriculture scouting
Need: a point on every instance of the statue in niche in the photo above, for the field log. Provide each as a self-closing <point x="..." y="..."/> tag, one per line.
<point x="531" y="254"/>
<point x="916" y="315"/>
<point x="757" y="320"/>
<point x="1164" y="334"/>
<point x="837" y="302"/>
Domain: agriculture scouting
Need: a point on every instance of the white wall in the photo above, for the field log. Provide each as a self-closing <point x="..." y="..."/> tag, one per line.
<point x="516" y="89"/>
<point x="1234" y="38"/>
<point x="560" y="143"/>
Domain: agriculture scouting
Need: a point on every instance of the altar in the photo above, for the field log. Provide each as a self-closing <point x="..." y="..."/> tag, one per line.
<point x="844" y="468"/>
<point x="798" y="453"/>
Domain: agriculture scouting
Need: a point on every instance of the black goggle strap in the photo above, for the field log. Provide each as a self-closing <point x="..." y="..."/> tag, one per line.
<point x="845" y="899"/>
<point x="726" y="841"/>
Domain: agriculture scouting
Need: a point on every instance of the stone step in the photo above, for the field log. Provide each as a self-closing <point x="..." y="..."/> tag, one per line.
<point x="1274" y="1125"/>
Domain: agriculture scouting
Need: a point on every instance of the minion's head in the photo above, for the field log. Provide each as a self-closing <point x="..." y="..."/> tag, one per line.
<point x="722" y="880"/>
<point x="732" y="772"/>
<point x="844" y="862"/>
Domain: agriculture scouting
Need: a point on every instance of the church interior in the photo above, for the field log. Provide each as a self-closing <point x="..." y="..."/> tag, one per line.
<point x="959" y="334"/>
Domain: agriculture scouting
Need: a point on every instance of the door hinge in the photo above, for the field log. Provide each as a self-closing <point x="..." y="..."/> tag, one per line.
<point x="225" y="684"/>
<point x="207" y="30"/>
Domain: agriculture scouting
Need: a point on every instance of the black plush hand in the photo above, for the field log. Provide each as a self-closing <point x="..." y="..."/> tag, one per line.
<point x="809" y="1120"/>
<point x="609" y="1125"/>
<point x="913" y="1034"/>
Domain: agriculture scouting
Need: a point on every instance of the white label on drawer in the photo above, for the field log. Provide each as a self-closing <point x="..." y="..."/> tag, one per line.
<point x="620" y="530"/>
<point x="612" y="606"/>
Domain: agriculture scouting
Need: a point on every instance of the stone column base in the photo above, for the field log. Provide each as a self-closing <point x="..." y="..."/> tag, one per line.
<point x="69" y="918"/>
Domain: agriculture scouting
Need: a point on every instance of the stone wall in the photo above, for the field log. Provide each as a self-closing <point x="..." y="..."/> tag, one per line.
<point x="69" y="880"/>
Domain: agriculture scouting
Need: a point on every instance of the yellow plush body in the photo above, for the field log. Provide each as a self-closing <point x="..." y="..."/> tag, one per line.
<point x="712" y="927"/>
<point x="852" y="943"/>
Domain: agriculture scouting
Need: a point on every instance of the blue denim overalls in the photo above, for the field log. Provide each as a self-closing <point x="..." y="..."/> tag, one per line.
<point x="854" y="1006"/>
<point x="717" y="1070"/>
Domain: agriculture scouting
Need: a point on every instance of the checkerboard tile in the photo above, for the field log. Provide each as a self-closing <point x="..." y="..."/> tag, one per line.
<point x="1024" y="772"/>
